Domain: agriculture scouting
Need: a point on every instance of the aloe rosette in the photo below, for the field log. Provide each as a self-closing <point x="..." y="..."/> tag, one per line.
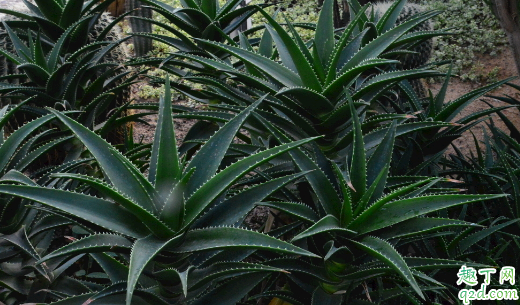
<point x="208" y="19"/>
<point x="157" y="215"/>
<point x="364" y="219"/>
<point x="308" y="85"/>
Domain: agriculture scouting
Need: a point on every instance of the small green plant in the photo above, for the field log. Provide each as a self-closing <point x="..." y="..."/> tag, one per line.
<point x="54" y="18"/>
<point x="78" y="81"/>
<point x="431" y="144"/>
<point x="476" y="32"/>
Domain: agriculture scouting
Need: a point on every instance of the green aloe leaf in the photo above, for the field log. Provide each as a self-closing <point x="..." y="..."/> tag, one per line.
<point x="71" y="13"/>
<point x="20" y="240"/>
<point x="392" y="213"/>
<point x="383" y="251"/>
<point x="374" y="138"/>
<point x="28" y="158"/>
<point x="325" y="191"/>
<point x="215" y="238"/>
<point x="390" y="17"/>
<point x="243" y="202"/>
<point x="298" y="210"/>
<point x="324" y="35"/>
<point x="282" y="74"/>
<point x="213" y="188"/>
<point x="328" y="223"/>
<point x="115" y="270"/>
<point x="358" y="172"/>
<point x="291" y="55"/>
<point x="24" y="53"/>
<point x="11" y="144"/>
<point x="39" y="55"/>
<point x="376" y="85"/>
<point x="92" y="244"/>
<point x="471" y="240"/>
<point x="209" y="157"/>
<point x="121" y="173"/>
<point x="143" y="251"/>
<point x="377" y="186"/>
<point x="198" y="277"/>
<point x="381" y="157"/>
<point x="335" y="66"/>
<point x="155" y="226"/>
<point x="51" y="9"/>
<point x="450" y="110"/>
<point x="36" y="73"/>
<point x="337" y="85"/>
<point x="311" y="100"/>
<point x="382" y="42"/>
<point x="265" y="47"/>
<point x="165" y="169"/>
<point x="240" y="287"/>
<point x="228" y="7"/>
<point x="514" y="181"/>
<point x="54" y="55"/>
<point x="423" y="225"/>
<point x="98" y="211"/>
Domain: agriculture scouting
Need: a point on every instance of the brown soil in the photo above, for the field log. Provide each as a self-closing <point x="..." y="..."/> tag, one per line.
<point x="145" y="132"/>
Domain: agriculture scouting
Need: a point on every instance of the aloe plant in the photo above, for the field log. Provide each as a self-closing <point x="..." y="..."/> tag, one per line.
<point x="82" y="80"/>
<point x="27" y="234"/>
<point x="208" y="19"/>
<point x="157" y="215"/>
<point x="361" y="228"/>
<point x="308" y="88"/>
<point x="54" y="18"/>
<point x="427" y="146"/>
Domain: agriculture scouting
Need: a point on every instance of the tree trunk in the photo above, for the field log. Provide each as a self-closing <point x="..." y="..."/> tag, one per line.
<point x="117" y="8"/>
<point x="507" y="13"/>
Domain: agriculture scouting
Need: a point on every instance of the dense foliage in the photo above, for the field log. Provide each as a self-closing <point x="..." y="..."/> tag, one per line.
<point x="320" y="126"/>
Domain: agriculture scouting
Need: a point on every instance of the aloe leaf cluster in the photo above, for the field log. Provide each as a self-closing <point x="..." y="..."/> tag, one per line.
<point x="328" y="137"/>
<point x="309" y="86"/>
<point x="209" y="19"/>
<point x="157" y="215"/>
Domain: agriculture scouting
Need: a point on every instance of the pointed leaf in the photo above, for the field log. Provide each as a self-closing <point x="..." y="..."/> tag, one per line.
<point x="98" y="211"/>
<point x="165" y="169"/>
<point x="328" y="223"/>
<point x="121" y="173"/>
<point x="229" y="237"/>
<point x="209" y="157"/>
<point x="392" y="212"/>
<point x="383" y="251"/>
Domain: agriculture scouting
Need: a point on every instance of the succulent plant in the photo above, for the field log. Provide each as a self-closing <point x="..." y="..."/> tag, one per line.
<point x="309" y="89"/>
<point x="360" y="229"/>
<point x="158" y="218"/>
<point x="142" y="45"/>
<point x="431" y="144"/>
<point x="51" y="22"/>
<point x="208" y="19"/>
<point x="424" y="49"/>
<point x="78" y="81"/>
